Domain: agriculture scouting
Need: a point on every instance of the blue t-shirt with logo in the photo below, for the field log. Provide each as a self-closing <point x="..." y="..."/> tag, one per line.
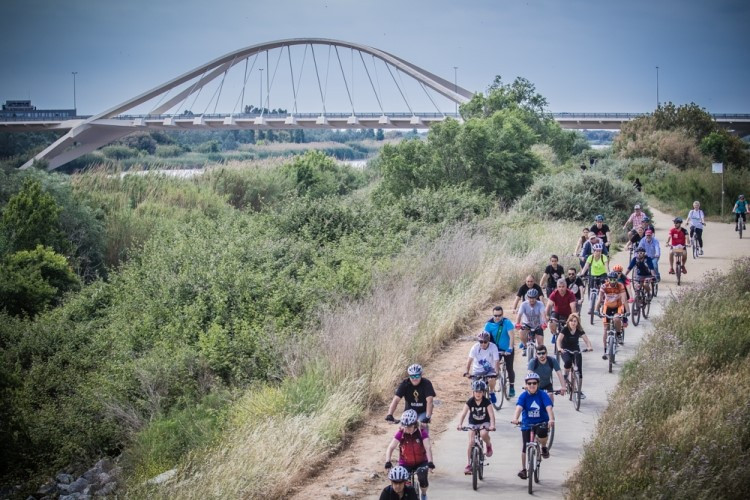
<point x="534" y="408"/>
<point x="500" y="332"/>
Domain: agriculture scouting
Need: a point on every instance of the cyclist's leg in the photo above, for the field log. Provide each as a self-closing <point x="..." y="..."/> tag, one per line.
<point x="655" y="263"/>
<point x="492" y="380"/>
<point x="471" y="444"/>
<point x="550" y="391"/>
<point x="542" y="433"/>
<point x="485" y="434"/>
<point x="699" y="237"/>
<point x="525" y="438"/>
<point x="579" y="364"/>
<point x="511" y="372"/>
<point x="539" y="336"/>
<point x="422" y="477"/>
<point x="567" y="360"/>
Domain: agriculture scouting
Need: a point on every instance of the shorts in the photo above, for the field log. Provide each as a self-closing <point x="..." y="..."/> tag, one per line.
<point x="536" y="331"/>
<point x="609" y="311"/>
<point x="421" y="475"/>
<point x="541" y="431"/>
<point x="561" y="318"/>
<point x="547" y="388"/>
<point x="482" y="425"/>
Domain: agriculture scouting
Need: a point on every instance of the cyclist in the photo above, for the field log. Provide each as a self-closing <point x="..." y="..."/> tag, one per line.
<point x="740" y="209"/>
<point x="535" y="319"/>
<point x="561" y="304"/>
<point x="635" y="238"/>
<point x="581" y="241"/>
<point x="601" y="230"/>
<point x="597" y="262"/>
<point x="622" y="278"/>
<point x="552" y="273"/>
<point x="567" y="342"/>
<point x="534" y="407"/>
<point x="646" y="224"/>
<point x="398" y="490"/>
<point x="524" y="289"/>
<point x="418" y="395"/>
<point x="653" y="251"/>
<point x="677" y="239"/>
<point x="484" y="360"/>
<point x="414" y="449"/>
<point x="503" y="334"/>
<point x="613" y="300"/>
<point x="481" y="415"/>
<point x="543" y="366"/>
<point x="696" y="222"/>
<point x="575" y="285"/>
<point x="635" y="219"/>
<point x="644" y="269"/>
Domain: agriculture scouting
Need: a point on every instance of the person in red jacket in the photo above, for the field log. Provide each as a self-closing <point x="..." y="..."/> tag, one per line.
<point x="677" y="239"/>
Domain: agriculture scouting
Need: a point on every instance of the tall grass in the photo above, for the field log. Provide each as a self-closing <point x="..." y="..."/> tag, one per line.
<point x="425" y="298"/>
<point x="676" y="427"/>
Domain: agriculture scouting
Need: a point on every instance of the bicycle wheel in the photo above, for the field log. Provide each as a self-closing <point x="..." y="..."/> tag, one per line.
<point x="592" y="301"/>
<point x="611" y="351"/>
<point x="551" y="438"/>
<point x="530" y="466"/>
<point x="500" y="391"/>
<point x="474" y="467"/>
<point x="655" y="288"/>
<point x="695" y="249"/>
<point x="506" y="392"/>
<point x="740" y="227"/>
<point x="637" y="309"/>
<point x="576" y="391"/>
<point x="538" y="467"/>
<point x="646" y="307"/>
<point x="481" y="465"/>
<point x="678" y="271"/>
<point x="415" y="483"/>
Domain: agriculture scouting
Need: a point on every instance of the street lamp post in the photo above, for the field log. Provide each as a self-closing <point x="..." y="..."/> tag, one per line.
<point x="455" y="84"/>
<point x="74" y="73"/>
<point x="261" y="90"/>
<point x="657" y="88"/>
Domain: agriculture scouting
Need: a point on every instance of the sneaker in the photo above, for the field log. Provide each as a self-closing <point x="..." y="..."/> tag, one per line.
<point x="424" y="496"/>
<point x="522" y="474"/>
<point x="489" y="451"/>
<point x="467" y="470"/>
<point x="493" y="399"/>
<point x="631" y="300"/>
<point x="512" y="392"/>
<point x="671" y="271"/>
<point x="684" y="271"/>
<point x="523" y="353"/>
<point x="583" y="396"/>
<point x="545" y="452"/>
<point x="700" y="252"/>
<point x="604" y="356"/>
<point x="736" y="228"/>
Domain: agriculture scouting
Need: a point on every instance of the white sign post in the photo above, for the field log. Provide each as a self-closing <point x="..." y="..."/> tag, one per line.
<point x="718" y="168"/>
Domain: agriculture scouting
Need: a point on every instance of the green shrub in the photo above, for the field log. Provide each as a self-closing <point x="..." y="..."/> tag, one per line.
<point x="168" y="151"/>
<point x="119" y="152"/>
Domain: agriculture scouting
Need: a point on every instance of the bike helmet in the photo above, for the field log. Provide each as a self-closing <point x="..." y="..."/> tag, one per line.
<point x="742" y="197"/>
<point x="640" y="250"/>
<point x="599" y="247"/>
<point x="398" y="473"/>
<point x="645" y="219"/>
<point x="483" y="337"/>
<point x="617" y="268"/>
<point x="677" y="220"/>
<point x="409" y="417"/>
<point x="532" y="294"/>
<point x="414" y="370"/>
<point x="612" y="276"/>
<point x="531" y="376"/>
<point x="479" y="386"/>
<point x="599" y="218"/>
<point x="648" y="231"/>
<point x="637" y="207"/>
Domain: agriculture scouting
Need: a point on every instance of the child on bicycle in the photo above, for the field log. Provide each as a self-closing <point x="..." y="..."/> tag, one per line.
<point x="414" y="449"/>
<point x="398" y="490"/>
<point x="568" y="343"/>
<point x="481" y="416"/>
<point x="534" y="408"/>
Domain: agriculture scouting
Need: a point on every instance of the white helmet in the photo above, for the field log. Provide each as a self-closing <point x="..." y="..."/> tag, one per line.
<point x="398" y="473"/>
<point x="414" y="369"/>
<point x="409" y="417"/>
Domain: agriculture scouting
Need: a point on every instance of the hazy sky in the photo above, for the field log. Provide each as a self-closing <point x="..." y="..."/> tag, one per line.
<point x="596" y="55"/>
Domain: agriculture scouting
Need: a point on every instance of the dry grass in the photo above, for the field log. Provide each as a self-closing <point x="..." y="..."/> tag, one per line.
<point x="427" y="297"/>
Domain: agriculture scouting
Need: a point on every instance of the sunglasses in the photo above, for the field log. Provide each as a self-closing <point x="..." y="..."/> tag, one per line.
<point x="497" y="315"/>
<point x="541" y="353"/>
<point x="415" y="376"/>
<point x="532" y="383"/>
<point x="484" y="342"/>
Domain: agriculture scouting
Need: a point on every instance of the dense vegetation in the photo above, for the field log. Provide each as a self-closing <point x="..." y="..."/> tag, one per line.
<point x="199" y="316"/>
<point x="676" y="427"/>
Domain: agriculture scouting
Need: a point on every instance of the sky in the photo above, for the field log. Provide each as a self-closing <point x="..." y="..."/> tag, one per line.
<point x="582" y="55"/>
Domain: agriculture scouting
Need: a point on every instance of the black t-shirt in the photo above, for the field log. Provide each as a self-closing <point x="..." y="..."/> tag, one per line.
<point x="478" y="413"/>
<point x="525" y="288"/>
<point x="635" y="238"/>
<point x="578" y="282"/>
<point x="409" y="494"/>
<point x="554" y="275"/>
<point x="600" y="232"/>
<point x="570" y="339"/>
<point x="415" y="396"/>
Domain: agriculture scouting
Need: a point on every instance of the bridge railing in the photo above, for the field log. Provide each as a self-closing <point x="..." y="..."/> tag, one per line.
<point x="285" y="115"/>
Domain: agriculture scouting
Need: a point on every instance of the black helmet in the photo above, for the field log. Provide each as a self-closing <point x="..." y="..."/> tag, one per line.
<point x="677" y="220"/>
<point x="612" y="276"/>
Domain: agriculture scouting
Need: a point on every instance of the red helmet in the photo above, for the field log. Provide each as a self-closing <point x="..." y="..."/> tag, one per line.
<point x="617" y="268"/>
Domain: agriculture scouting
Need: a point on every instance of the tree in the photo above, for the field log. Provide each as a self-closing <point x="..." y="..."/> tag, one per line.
<point x="32" y="280"/>
<point x="380" y="135"/>
<point x="31" y="218"/>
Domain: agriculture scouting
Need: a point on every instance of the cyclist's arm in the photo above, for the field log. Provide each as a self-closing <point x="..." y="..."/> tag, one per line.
<point x="559" y="339"/>
<point x="463" y="416"/>
<point x="587" y="342"/>
<point x="624" y="301"/>
<point x="389" y="452"/>
<point x="512" y="336"/>
<point x="585" y="268"/>
<point x="545" y="278"/>
<point x="394" y="403"/>
<point x="609" y="238"/>
<point x="427" y="448"/>
<point x="518" y="318"/>
<point x="428" y="410"/>
<point x="468" y="365"/>
<point x="551" y="414"/>
<point x="515" y="304"/>
<point x="550" y="304"/>
<point x="517" y="414"/>
<point x="599" y="298"/>
<point x="562" y="381"/>
<point x="491" y="412"/>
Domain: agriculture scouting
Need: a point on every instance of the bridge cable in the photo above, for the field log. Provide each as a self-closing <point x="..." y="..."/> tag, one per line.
<point x="273" y="78"/>
<point x="217" y="92"/>
<point x="328" y="68"/>
<point x="163" y="96"/>
<point x="430" y="98"/>
<point x="377" y="78"/>
<point x="387" y="66"/>
<point x="244" y="83"/>
<point x="190" y="92"/>
<point x="317" y="75"/>
<point x="371" y="85"/>
<point x="398" y="72"/>
<point x="301" y="70"/>
<point x="346" y="85"/>
<point x="291" y="71"/>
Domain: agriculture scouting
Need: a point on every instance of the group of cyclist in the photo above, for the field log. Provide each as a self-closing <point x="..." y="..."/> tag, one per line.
<point x="533" y="310"/>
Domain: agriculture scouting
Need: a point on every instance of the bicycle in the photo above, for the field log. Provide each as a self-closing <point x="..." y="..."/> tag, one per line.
<point x="740" y="226"/>
<point x="642" y="302"/>
<point x="477" y="457"/>
<point x="573" y="382"/>
<point x="613" y="338"/>
<point x="534" y="457"/>
<point x="694" y="244"/>
<point x="414" y="479"/>
<point x="678" y="265"/>
<point x="503" y="384"/>
<point x="594" y="284"/>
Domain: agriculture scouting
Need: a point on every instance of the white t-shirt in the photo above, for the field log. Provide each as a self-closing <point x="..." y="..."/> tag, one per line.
<point x="481" y="356"/>
<point x="532" y="316"/>
<point x="695" y="217"/>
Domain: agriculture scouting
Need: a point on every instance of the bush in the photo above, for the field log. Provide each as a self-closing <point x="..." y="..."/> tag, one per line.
<point x="168" y="151"/>
<point x="580" y="196"/>
<point x="119" y="152"/>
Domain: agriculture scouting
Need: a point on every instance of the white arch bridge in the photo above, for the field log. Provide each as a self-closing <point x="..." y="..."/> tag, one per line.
<point x="330" y="79"/>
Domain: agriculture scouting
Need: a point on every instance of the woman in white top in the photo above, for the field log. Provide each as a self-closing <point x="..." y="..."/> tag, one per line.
<point x="696" y="221"/>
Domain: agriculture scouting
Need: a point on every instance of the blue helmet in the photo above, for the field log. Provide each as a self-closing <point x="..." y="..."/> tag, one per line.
<point x="599" y="218"/>
<point x="479" y="386"/>
<point x="533" y="293"/>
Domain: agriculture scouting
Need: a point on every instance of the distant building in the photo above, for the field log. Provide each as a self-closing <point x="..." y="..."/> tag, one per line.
<point x="24" y="110"/>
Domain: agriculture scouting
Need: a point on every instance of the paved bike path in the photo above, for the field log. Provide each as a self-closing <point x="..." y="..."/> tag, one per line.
<point x="573" y="427"/>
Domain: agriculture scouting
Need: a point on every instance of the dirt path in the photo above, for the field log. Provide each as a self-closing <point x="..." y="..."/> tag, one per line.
<point x="356" y="471"/>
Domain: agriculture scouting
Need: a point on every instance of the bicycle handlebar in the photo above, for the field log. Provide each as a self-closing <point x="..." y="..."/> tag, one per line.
<point x="466" y="429"/>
